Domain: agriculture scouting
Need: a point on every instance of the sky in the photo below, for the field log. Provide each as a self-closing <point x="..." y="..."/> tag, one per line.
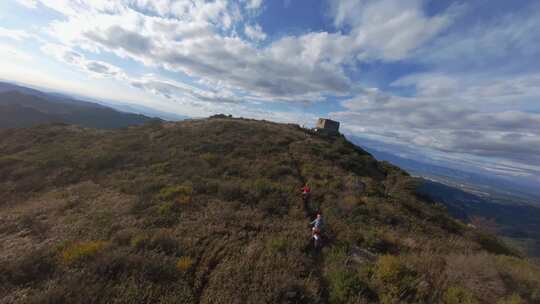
<point x="447" y="81"/>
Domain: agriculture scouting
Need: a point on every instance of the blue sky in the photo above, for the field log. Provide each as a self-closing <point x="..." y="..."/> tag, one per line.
<point x="454" y="81"/>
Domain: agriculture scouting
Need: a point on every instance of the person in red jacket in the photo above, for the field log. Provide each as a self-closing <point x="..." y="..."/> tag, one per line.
<point x="306" y="191"/>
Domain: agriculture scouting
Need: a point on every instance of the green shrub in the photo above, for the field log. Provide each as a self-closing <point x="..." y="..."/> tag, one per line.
<point x="123" y="237"/>
<point x="168" y="208"/>
<point x="161" y="241"/>
<point x="30" y="267"/>
<point x="522" y="276"/>
<point x="262" y="187"/>
<point x="158" y="270"/>
<point x="493" y="244"/>
<point x="279" y="171"/>
<point x="278" y="245"/>
<point x="230" y="191"/>
<point x="345" y="286"/>
<point x="458" y="295"/>
<point x="373" y="241"/>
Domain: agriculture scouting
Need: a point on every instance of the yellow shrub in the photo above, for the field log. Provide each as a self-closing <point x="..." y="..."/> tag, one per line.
<point x="183" y="200"/>
<point x="349" y="202"/>
<point x="184" y="264"/>
<point x="395" y="280"/>
<point x="180" y="193"/>
<point x="513" y="299"/>
<point x="211" y="159"/>
<point x="458" y="295"/>
<point x="389" y="269"/>
<point x="82" y="251"/>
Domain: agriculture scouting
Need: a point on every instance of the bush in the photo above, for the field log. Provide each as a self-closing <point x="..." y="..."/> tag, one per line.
<point x="230" y="191"/>
<point x="31" y="267"/>
<point x="184" y="264"/>
<point x="345" y="286"/>
<point x="164" y="242"/>
<point x="176" y="193"/>
<point x="513" y="299"/>
<point x="158" y="270"/>
<point x="161" y="241"/>
<point x="458" y="295"/>
<point x="374" y="242"/>
<point x="81" y="252"/>
<point x="140" y="241"/>
<point x="277" y="246"/>
<point x="112" y="264"/>
<point x="493" y="244"/>
<point x="211" y="159"/>
<point x="395" y="280"/>
<point x="279" y="171"/>
<point x="123" y="237"/>
<point x="262" y="187"/>
<point x="522" y="276"/>
<point x="168" y="209"/>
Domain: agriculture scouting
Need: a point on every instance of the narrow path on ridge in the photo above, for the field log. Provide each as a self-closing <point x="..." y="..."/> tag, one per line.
<point x="314" y="255"/>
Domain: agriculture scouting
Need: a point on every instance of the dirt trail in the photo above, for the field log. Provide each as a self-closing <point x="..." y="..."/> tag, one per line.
<point x="315" y="256"/>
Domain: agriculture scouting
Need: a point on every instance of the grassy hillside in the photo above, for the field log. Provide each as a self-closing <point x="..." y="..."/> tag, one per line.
<point x="208" y="211"/>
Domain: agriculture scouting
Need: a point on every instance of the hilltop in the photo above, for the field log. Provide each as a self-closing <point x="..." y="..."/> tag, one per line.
<point x="209" y="211"/>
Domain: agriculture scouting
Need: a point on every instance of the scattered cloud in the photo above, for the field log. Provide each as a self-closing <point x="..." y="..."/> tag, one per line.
<point x="254" y="32"/>
<point x="28" y="3"/>
<point x="387" y="29"/>
<point x="253" y="4"/>
<point x="17" y="35"/>
<point x="93" y="67"/>
<point x="11" y="53"/>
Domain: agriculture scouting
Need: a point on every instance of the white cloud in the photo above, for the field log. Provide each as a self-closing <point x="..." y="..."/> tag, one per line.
<point x="11" y="53"/>
<point x="254" y="32"/>
<point x="461" y="115"/>
<point x="197" y="38"/>
<point x="95" y="68"/>
<point x="28" y="3"/>
<point x="387" y="29"/>
<point x="254" y="4"/>
<point x="14" y="34"/>
<point x="508" y="43"/>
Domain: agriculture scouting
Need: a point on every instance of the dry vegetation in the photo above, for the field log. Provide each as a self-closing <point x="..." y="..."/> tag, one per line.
<point x="208" y="211"/>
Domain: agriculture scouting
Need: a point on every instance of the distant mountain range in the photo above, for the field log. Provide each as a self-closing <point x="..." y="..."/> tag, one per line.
<point x="24" y="107"/>
<point x="519" y="222"/>
<point x="502" y="190"/>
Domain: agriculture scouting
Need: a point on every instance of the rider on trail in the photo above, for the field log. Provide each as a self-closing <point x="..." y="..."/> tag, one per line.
<point x="317" y="227"/>
<point x="306" y="191"/>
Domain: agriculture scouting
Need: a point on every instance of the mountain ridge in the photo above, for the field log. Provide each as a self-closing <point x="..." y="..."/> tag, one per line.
<point x="24" y="107"/>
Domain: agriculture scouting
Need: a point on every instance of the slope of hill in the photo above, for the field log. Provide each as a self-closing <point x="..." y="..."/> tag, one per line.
<point x="519" y="222"/>
<point x="28" y="108"/>
<point x="208" y="211"/>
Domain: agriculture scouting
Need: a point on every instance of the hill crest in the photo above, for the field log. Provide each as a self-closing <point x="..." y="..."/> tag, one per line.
<point x="209" y="211"/>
